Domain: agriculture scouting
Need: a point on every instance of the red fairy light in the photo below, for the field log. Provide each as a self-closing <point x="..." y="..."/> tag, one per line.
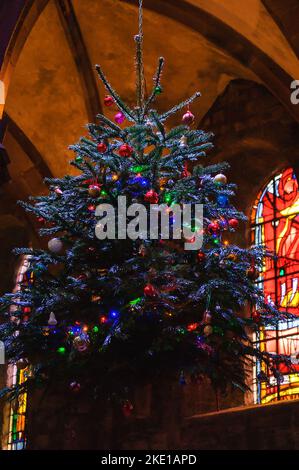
<point x="192" y="326"/>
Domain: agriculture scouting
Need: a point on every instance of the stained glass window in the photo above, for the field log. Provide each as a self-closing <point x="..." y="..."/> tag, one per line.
<point x="17" y="408"/>
<point x="275" y="224"/>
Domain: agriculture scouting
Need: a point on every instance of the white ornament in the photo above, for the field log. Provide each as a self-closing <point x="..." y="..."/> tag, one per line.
<point x="52" y="319"/>
<point x="55" y="245"/>
<point x="183" y="141"/>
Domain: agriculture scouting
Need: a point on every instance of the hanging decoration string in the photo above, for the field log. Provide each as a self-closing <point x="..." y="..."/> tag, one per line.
<point x="140" y="83"/>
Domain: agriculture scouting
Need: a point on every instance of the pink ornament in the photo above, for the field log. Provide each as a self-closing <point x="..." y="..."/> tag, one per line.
<point x="188" y="118"/>
<point x="58" y="191"/>
<point x="119" y="118"/>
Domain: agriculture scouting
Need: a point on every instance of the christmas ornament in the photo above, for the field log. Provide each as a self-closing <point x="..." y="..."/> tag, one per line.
<point x="256" y="316"/>
<point x="127" y="408"/>
<point x="158" y="90"/>
<point x="149" y="290"/>
<point x="119" y="117"/>
<point x="252" y="273"/>
<point x="214" y="227"/>
<point x="220" y="179"/>
<point x="222" y="200"/>
<point x="108" y="101"/>
<point x="52" y="319"/>
<point x="201" y="256"/>
<point x="232" y="257"/>
<point x="41" y="220"/>
<point x="233" y="223"/>
<point x="207" y="317"/>
<point x="208" y="330"/>
<point x="188" y="118"/>
<point x="151" y="196"/>
<point x="185" y="173"/>
<point x="103" y="319"/>
<point x="183" y="141"/>
<point x="142" y="250"/>
<point x="148" y="122"/>
<point x="78" y="159"/>
<point x="58" y="191"/>
<point x="46" y="331"/>
<point x="94" y="190"/>
<point x="102" y="147"/>
<point x="22" y="363"/>
<point x="75" y="387"/>
<point x="55" y="245"/>
<point x="91" y="208"/>
<point x="81" y="342"/>
<point x="125" y="150"/>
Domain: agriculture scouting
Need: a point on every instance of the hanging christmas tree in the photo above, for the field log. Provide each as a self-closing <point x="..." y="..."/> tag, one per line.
<point x="112" y="314"/>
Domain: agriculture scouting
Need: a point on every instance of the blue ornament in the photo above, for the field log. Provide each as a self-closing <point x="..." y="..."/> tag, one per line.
<point x="222" y="200"/>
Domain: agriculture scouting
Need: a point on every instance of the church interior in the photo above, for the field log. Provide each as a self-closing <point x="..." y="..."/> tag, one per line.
<point x="243" y="57"/>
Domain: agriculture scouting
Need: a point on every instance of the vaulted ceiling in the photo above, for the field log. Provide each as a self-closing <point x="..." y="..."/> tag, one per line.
<point x="51" y="89"/>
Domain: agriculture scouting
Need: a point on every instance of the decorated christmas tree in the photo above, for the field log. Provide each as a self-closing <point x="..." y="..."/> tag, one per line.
<point x="112" y="313"/>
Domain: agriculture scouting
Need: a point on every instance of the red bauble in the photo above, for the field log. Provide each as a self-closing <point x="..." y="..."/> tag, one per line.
<point x="149" y="290"/>
<point x="94" y="190"/>
<point x="214" y="227"/>
<point x="201" y="256"/>
<point x="185" y="173"/>
<point x="108" y="100"/>
<point x="102" y="147"/>
<point x="256" y="316"/>
<point x="233" y="223"/>
<point x="188" y="118"/>
<point x="41" y="220"/>
<point x="151" y="196"/>
<point x="125" y="150"/>
<point x="127" y="408"/>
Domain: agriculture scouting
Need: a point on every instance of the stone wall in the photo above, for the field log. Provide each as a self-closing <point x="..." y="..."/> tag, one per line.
<point x="66" y="420"/>
<point x="161" y="420"/>
<point x="264" y="427"/>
